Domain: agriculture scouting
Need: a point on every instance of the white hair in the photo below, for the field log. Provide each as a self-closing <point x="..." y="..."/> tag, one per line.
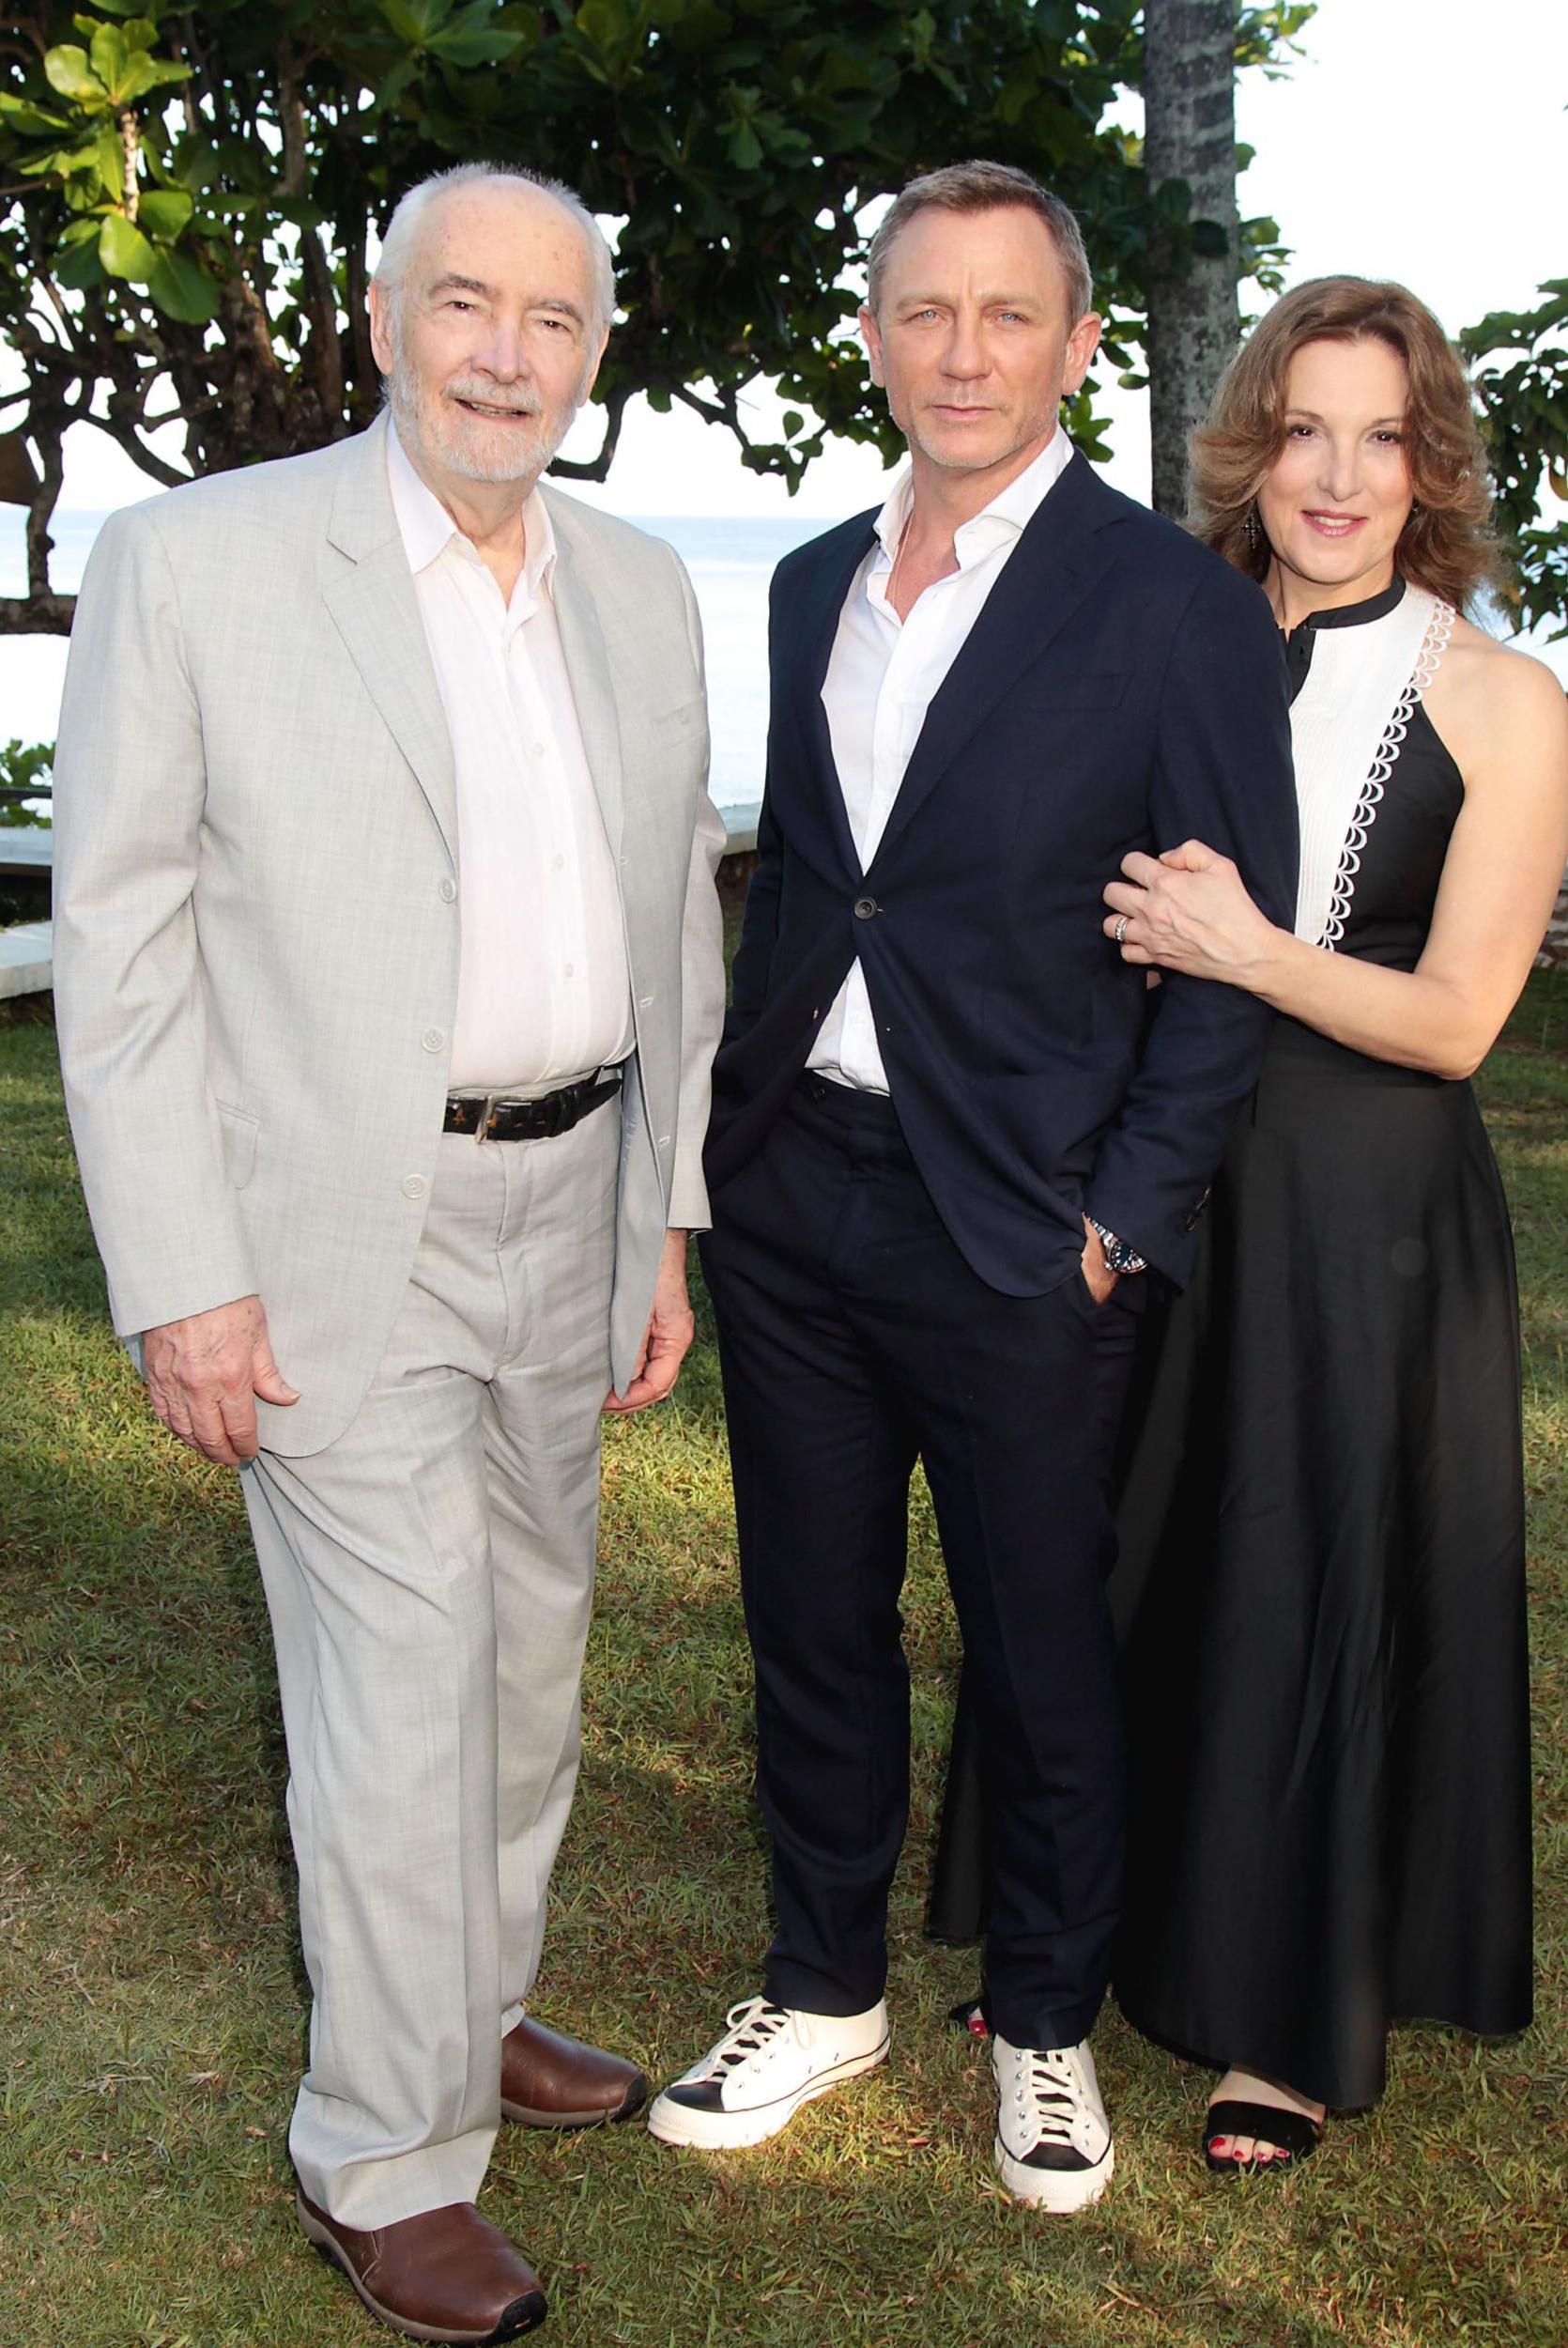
<point x="401" y="237"/>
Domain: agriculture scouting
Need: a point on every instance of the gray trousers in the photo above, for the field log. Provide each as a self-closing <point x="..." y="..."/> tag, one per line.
<point x="429" y="1577"/>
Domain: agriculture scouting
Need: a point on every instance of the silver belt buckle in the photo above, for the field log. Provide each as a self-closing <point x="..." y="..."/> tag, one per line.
<point x="482" y="1130"/>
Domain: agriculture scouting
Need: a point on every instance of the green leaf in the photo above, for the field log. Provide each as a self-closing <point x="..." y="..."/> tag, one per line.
<point x="77" y="266"/>
<point x="140" y="32"/>
<point x="163" y="212"/>
<point x="124" y="251"/>
<point x="416" y="20"/>
<point x="746" y="147"/>
<point x="24" y="115"/>
<point x="604" y="22"/>
<point x="298" y="211"/>
<point x="472" y="37"/>
<point x="183" y="289"/>
<point x="406" y="21"/>
<point x="108" y="156"/>
<point x="111" y="59"/>
<point x="193" y="164"/>
<point x="64" y="162"/>
<point x="67" y="69"/>
<point x="144" y="73"/>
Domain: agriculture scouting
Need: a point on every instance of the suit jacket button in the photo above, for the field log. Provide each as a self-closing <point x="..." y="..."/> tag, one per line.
<point x="866" y="908"/>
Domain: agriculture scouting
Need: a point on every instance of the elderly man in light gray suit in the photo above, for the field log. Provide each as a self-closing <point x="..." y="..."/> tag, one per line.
<point x="388" y="972"/>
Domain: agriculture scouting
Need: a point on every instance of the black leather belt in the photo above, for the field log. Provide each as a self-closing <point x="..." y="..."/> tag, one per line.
<point x="490" y="1119"/>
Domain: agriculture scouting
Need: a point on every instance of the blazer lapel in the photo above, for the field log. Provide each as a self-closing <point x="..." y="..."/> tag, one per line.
<point x="1056" y="563"/>
<point x="373" y="607"/>
<point x="809" y="659"/>
<point x="586" y="651"/>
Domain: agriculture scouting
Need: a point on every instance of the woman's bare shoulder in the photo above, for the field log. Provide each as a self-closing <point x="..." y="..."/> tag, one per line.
<point x="1485" y="693"/>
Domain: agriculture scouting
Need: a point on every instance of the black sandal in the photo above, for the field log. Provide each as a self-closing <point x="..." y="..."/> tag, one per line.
<point x="1292" y="2132"/>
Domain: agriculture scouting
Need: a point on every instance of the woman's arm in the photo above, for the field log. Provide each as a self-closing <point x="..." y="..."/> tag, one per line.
<point x="1506" y="721"/>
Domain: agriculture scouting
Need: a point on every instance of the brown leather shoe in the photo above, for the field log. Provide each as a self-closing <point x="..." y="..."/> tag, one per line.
<point x="549" y="2081"/>
<point x="446" y="2274"/>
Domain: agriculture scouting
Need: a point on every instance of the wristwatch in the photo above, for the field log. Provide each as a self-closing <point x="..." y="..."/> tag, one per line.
<point x="1119" y="1258"/>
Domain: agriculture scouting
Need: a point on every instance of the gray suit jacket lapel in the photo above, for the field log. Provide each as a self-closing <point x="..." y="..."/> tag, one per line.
<point x="591" y="669"/>
<point x="372" y="603"/>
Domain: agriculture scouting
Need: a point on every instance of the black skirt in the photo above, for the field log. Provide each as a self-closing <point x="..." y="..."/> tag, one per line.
<point x="1320" y="1593"/>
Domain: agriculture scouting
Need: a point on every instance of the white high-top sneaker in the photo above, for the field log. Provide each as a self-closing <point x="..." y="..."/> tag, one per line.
<point x="1053" y="2139"/>
<point x="770" y="2061"/>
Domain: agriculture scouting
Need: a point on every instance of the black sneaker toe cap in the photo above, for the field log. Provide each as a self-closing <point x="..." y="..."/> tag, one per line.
<point x="1062" y="2157"/>
<point x="697" y="2095"/>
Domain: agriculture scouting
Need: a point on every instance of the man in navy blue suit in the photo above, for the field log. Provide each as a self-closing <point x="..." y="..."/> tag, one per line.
<point x="952" y="1136"/>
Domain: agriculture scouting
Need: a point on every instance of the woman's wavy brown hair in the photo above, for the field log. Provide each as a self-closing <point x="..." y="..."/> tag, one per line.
<point x="1446" y="545"/>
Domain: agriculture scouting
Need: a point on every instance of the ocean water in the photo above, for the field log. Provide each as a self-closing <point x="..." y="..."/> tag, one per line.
<point x="731" y="563"/>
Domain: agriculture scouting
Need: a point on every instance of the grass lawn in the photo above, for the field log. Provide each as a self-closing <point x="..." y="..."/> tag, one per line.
<point x="151" y="1995"/>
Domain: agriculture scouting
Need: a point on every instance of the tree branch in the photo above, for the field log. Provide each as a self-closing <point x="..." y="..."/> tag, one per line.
<point x="35" y="615"/>
<point x="130" y="142"/>
<point x="323" y="352"/>
<point x="597" y="468"/>
<point x="124" y="433"/>
<point x="725" y="410"/>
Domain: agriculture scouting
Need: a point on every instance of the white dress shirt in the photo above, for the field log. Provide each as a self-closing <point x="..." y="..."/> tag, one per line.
<point x="544" y="991"/>
<point x="883" y="677"/>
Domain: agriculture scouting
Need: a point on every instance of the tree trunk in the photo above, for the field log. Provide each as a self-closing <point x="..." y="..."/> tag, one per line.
<point x="1189" y="136"/>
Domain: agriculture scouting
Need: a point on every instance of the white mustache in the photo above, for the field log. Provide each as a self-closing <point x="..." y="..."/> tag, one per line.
<point x="515" y="405"/>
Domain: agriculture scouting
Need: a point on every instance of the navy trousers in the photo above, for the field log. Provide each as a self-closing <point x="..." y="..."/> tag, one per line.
<point x="854" y="1339"/>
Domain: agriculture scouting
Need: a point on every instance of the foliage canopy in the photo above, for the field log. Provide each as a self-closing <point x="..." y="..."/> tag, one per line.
<point x="191" y="192"/>
<point x="1522" y="377"/>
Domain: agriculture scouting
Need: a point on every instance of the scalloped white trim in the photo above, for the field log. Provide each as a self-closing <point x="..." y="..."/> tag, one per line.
<point x="1439" y="627"/>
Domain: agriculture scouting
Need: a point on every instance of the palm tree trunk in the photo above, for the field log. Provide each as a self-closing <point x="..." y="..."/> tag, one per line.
<point x="1189" y="136"/>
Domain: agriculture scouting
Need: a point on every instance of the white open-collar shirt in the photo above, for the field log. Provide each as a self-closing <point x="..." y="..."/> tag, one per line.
<point x="544" y="991"/>
<point x="882" y="678"/>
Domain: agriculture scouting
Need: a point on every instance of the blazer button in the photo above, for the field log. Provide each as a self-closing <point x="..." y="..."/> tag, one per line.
<point x="413" y="1186"/>
<point x="449" y="891"/>
<point x="432" y="1040"/>
<point x="866" y="908"/>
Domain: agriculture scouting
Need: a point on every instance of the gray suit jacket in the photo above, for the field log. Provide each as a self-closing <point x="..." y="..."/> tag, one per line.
<point x="256" y="903"/>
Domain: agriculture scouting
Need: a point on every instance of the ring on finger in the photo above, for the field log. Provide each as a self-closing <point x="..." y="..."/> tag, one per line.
<point x="1120" y="930"/>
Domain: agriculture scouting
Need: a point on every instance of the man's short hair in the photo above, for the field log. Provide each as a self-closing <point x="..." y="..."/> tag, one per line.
<point x="983" y="187"/>
<point x="397" y="245"/>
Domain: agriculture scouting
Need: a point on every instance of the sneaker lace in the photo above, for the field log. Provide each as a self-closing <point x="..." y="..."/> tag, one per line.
<point x="1050" y="2081"/>
<point x="750" y="2027"/>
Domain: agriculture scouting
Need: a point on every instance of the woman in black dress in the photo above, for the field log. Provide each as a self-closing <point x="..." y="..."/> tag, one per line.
<point x="1320" y="1587"/>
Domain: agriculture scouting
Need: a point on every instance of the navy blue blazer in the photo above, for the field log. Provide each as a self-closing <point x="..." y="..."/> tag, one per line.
<point x="1121" y="689"/>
